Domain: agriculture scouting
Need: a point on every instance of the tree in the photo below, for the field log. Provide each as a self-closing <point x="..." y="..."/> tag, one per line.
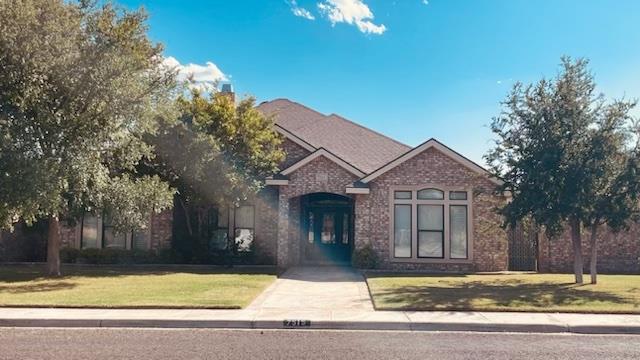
<point x="559" y="151"/>
<point x="615" y="168"/>
<point x="216" y="153"/>
<point x="80" y="85"/>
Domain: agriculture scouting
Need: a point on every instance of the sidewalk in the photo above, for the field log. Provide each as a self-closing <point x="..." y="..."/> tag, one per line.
<point x="326" y="298"/>
<point x="333" y="319"/>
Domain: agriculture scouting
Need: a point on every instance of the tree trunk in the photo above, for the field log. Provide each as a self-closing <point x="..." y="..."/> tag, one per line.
<point x="576" y="239"/>
<point x="187" y="216"/>
<point x="594" y="254"/>
<point x="53" y="246"/>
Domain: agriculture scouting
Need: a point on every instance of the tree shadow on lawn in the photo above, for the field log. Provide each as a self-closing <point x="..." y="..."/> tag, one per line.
<point x="39" y="287"/>
<point x="22" y="273"/>
<point x="510" y="294"/>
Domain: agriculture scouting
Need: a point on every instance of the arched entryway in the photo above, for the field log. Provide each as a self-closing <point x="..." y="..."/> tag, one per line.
<point x="327" y="229"/>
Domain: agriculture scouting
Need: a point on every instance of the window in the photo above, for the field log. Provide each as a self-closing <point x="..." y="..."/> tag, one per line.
<point x="458" y="231"/>
<point x="140" y="239"/>
<point x="89" y="234"/>
<point x="430" y="194"/>
<point x="402" y="194"/>
<point x="244" y="228"/>
<point x="458" y="195"/>
<point x="402" y="231"/>
<point x="111" y="239"/>
<point x="311" y="231"/>
<point x="328" y="234"/>
<point x="218" y="226"/>
<point x="98" y="232"/>
<point x="430" y="231"/>
<point x="345" y="229"/>
<point x="430" y="224"/>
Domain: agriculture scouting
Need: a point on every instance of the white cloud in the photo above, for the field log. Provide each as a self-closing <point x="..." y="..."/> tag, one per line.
<point x="202" y="77"/>
<point x="426" y="2"/>
<point x="352" y="12"/>
<point x="300" y="11"/>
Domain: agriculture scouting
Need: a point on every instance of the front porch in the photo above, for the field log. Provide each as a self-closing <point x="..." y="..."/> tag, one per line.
<point x="319" y="230"/>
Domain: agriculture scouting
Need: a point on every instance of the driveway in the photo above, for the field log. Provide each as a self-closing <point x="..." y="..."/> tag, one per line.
<point x="316" y="289"/>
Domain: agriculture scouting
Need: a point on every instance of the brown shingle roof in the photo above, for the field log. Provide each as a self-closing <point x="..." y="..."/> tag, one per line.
<point x="362" y="147"/>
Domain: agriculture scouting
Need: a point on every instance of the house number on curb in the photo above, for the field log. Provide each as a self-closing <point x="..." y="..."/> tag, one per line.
<point x="296" y="323"/>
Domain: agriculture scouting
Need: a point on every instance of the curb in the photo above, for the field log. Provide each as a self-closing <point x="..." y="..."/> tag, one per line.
<point x="320" y="325"/>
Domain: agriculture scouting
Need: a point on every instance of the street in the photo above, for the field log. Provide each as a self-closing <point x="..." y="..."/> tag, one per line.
<point x="104" y="343"/>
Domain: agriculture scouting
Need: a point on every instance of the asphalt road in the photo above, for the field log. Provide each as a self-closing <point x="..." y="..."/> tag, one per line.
<point x="67" y="344"/>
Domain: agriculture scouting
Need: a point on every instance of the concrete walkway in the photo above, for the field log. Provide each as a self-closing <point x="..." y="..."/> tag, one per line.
<point x="319" y="289"/>
<point x="321" y="298"/>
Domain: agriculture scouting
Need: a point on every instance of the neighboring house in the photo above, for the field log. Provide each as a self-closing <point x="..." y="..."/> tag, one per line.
<point x="343" y="186"/>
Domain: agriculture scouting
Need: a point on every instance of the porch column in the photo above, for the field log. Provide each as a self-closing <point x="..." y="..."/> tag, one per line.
<point x="283" y="230"/>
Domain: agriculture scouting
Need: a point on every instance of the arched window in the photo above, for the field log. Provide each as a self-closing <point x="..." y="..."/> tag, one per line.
<point x="430" y="194"/>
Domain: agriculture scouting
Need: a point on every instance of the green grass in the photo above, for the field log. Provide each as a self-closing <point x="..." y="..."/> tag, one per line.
<point x="506" y="292"/>
<point x="131" y="287"/>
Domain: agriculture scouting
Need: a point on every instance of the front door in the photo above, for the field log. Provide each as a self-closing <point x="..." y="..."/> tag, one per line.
<point x="327" y="234"/>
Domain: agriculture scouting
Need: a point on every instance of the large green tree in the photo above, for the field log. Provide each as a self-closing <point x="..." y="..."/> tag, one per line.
<point x="612" y="160"/>
<point x="563" y="154"/>
<point x="80" y="85"/>
<point x="218" y="153"/>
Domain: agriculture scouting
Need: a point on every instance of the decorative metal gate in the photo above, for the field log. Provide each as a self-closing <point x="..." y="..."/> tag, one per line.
<point x="523" y="248"/>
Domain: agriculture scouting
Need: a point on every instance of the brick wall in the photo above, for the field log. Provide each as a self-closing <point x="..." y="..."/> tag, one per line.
<point x="294" y="153"/>
<point x="372" y="211"/>
<point x="434" y="168"/>
<point x="266" y="207"/>
<point x="70" y="235"/>
<point x="161" y="228"/>
<point x="617" y="252"/>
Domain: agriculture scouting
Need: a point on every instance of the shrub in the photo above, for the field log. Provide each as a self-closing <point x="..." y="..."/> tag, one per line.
<point x="110" y="256"/>
<point x="69" y="255"/>
<point x="167" y="256"/>
<point x="365" y="257"/>
<point x="164" y="256"/>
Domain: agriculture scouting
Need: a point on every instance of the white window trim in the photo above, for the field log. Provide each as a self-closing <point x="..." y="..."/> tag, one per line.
<point x="414" y="202"/>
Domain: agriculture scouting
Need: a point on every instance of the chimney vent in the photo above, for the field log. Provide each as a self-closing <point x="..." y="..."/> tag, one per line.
<point x="227" y="90"/>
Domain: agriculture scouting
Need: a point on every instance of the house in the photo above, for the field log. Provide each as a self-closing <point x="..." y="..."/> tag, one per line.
<point x="343" y="186"/>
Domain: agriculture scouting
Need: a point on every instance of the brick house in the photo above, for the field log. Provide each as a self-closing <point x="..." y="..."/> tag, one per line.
<point x="342" y="187"/>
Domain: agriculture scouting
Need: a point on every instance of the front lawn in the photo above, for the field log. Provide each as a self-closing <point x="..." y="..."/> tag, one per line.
<point x="505" y="292"/>
<point x="131" y="287"/>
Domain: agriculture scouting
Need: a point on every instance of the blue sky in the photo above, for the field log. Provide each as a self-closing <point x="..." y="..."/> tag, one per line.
<point x="411" y="69"/>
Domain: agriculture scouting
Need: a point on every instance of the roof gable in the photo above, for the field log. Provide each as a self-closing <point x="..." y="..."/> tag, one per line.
<point x="363" y="148"/>
<point x="431" y="143"/>
<point x="326" y="154"/>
